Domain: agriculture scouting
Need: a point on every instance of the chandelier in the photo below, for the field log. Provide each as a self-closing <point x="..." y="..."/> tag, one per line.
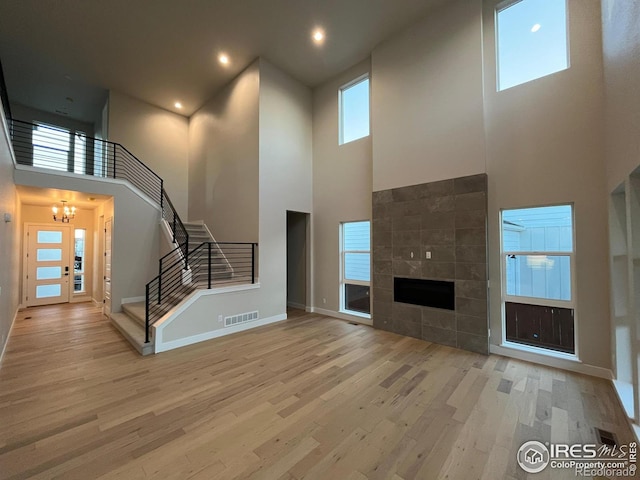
<point x="67" y="213"/>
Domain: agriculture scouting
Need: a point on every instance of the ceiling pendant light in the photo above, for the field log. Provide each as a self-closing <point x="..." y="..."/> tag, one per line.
<point x="63" y="213"/>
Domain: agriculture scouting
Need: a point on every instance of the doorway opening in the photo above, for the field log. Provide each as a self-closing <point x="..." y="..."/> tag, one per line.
<point x="298" y="260"/>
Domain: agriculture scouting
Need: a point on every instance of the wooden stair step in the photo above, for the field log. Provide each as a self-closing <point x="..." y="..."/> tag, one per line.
<point x="132" y="331"/>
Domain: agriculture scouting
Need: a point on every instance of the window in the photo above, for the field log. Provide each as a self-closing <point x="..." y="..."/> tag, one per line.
<point x="538" y="272"/>
<point x="51" y="147"/>
<point x="356" y="267"/>
<point x="354" y="110"/>
<point x="531" y="40"/>
<point x="59" y="148"/>
<point x="79" y="260"/>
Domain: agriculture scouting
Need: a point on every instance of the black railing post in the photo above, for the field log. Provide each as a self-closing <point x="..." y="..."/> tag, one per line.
<point x="160" y="282"/>
<point x="253" y="263"/>
<point x="114" y="160"/>
<point x="162" y="196"/>
<point x="209" y="263"/>
<point x="146" y="316"/>
<point x="174" y="227"/>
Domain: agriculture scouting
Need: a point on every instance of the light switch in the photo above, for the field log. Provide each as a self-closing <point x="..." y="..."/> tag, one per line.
<point x="428" y="255"/>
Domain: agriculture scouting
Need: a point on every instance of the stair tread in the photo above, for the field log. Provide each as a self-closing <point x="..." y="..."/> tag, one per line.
<point x="132" y="331"/>
<point x="136" y="310"/>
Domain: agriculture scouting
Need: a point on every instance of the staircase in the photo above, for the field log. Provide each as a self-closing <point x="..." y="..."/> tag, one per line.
<point x="130" y="323"/>
<point x="222" y="273"/>
<point x="198" y="261"/>
<point x="198" y="233"/>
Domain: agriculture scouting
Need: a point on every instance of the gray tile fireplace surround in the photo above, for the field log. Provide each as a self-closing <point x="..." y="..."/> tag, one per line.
<point x="447" y="218"/>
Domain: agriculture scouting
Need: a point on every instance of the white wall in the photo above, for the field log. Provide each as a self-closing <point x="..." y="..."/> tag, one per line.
<point x="285" y="171"/>
<point x="427" y="113"/>
<point x="136" y="230"/>
<point x="285" y="174"/>
<point x="158" y="138"/>
<point x="223" y="160"/>
<point x="621" y="46"/>
<point x="342" y="182"/>
<point x="9" y="239"/>
<point x="545" y="145"/>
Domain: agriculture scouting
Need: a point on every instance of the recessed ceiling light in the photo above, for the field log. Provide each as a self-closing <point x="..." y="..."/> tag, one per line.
<point x="535" y="28"/>
<point x="178" y="105"/>
<point x="223" y="59"/>
<point x="318" y="36"/>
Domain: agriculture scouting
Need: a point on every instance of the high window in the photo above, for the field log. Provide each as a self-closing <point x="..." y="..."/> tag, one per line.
<point x="538" y="276"/>
<point x="531" y="40"/>
<point x="354" y="110"/>
<point x="356" y="267"/>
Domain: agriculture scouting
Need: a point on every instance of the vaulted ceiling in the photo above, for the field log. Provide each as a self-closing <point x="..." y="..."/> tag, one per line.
<point x="163" y="51"/>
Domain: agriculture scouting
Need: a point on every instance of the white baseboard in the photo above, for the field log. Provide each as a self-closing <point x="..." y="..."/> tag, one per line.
<point x="83" y="298"/>
<point x="6" y="340"/>
<point x="562" y="363"/>
<point x="221" y="332"/>
<point x="133" y="300"/>
<point x="299" y="306"/>
<point x="343" y="316"/>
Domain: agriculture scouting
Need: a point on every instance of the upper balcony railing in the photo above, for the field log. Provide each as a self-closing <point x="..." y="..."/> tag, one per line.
<point x="57" y="148"/>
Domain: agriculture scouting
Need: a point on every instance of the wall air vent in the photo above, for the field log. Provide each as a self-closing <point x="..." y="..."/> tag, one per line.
<point x="240" y="318"/>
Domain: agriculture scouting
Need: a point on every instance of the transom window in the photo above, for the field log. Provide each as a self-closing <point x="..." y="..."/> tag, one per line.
<point x="354" y="110"/>
<point x="532" y="40"/>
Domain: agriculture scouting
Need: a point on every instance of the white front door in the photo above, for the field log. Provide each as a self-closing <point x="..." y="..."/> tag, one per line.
<point x="47" y="267"/>
<point x="108" y="225"/>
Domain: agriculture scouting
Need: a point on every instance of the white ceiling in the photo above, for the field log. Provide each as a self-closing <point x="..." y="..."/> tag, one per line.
<point x="163" y="51"/>
<point x="52" y="196"/>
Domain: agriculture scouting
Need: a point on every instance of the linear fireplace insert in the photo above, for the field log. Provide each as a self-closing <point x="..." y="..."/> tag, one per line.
<point x="428" y="293"/>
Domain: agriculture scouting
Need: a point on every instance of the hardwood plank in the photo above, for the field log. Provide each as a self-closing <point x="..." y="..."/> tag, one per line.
<point x="311" y="397"/>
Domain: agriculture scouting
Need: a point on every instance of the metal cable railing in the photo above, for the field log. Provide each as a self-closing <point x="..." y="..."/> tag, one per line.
<point x="210" y="264"/>
<point x="57" y="148"/>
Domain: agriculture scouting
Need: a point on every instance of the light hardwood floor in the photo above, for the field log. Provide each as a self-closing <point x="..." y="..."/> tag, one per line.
<point x="312" y="398"/>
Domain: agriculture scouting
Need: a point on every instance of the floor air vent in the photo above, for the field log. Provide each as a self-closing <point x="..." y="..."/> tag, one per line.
<point x="240" y="318"/>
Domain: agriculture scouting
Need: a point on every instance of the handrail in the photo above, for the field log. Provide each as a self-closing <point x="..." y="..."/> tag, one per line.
<point x="58" y="148"/>
<point x="210" y="264"/>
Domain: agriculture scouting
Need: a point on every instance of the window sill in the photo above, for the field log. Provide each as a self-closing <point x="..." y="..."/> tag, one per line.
<point x="540" y="351"/>
<point x="356" y="314"/>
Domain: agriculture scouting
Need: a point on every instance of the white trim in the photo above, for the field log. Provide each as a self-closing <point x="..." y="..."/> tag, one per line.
<point x="89" y="178"/>
<point x="132" y="300"/>
<point x="573" y="365"/>
<point x="221" y="332"/>
<point x="343" y="316"/>
<point x="635" y="428"/>
<point x="308" y="309"/>
<point x="80" y="299"/>
<point x="6" y="340"/>
<point x="159" y="326"/>
<point x="299" y="306"/>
